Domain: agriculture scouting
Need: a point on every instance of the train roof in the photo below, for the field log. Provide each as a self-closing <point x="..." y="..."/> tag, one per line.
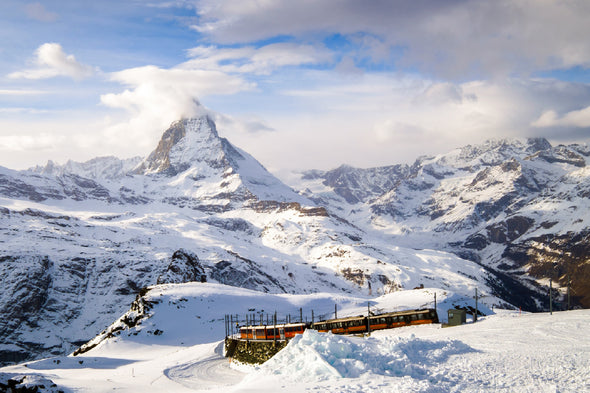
<point x="389" y="314"/>
<point x="277" y="325"/>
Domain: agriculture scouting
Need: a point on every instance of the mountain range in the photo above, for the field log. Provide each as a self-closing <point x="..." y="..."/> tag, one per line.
<point x="79" y="241"/>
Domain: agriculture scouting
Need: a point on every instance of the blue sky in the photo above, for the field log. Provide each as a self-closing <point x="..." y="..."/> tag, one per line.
<point x="299" y="85"/>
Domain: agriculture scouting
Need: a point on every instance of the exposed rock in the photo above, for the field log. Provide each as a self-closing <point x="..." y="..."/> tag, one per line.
<point x="184" y="267"/>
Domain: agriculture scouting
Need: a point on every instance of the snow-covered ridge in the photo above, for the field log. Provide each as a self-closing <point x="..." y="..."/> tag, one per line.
<point x="80" y="241"/>
<point x="514" y="205"/>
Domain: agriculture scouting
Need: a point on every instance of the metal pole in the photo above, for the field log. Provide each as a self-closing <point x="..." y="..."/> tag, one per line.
<point x="312" y="320"/>
<point x="475" y="315"/>
<point x="369" y="317"/>
<point x="568" y="292"/>
<point x="335" y="311"/>
<point x="551" y="296"/>
<point x="300" y="314"/>
<point x="434" y="301"/>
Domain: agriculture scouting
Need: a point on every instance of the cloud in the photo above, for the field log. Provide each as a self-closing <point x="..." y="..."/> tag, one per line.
<point x="442" y="93"/>
<point x="261" y="61"/>
<point x="22" y="143"/>
<point x="52" y="61"/>
<point x="250" y="125"/>
<point x="37" y="11"/>
<point x="156" y="97"/>
<point x="20" y="92"/>
<point x="456" y="38"/>
<point x="577" y="118"/>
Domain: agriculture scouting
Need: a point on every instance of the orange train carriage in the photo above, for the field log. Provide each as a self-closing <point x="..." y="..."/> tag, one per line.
<point x="356" y="325"/>
<point x="271" y="332"/>
<point x="350" y="325"/>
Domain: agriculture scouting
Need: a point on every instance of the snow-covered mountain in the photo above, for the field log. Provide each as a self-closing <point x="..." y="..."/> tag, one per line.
<point x="519" y="207"/>
<point x="79" y="241"/>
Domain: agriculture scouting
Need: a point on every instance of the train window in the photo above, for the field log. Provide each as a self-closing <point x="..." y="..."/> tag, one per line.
<point x="413" y="317"/>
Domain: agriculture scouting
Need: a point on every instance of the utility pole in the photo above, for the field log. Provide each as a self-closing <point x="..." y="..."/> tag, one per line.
<point x="369" y="318"/>
<point x="568" y="292"/>
<point x="275" y="328"/>
<point x="434" y="301"/>
<point x="550" y="296"/>
<point x="475" y="314"/>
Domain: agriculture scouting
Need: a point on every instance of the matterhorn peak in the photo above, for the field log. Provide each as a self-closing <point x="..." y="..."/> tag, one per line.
<point x="185" y="142"/>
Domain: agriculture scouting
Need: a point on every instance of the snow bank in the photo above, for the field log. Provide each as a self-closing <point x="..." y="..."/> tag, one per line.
<point x="315" y="356"/>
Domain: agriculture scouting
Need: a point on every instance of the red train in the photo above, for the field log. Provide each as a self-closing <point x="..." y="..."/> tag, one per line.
<point x="350" y="325"/>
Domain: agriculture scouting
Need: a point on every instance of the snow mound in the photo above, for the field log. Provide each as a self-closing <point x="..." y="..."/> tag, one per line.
<point x="315" y="357"/>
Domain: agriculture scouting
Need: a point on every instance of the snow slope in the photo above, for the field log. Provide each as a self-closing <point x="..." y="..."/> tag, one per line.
<point x="79" y="241"/>
<point x="503" y="352"/>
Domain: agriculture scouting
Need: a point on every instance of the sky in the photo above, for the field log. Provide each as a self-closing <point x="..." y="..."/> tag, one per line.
<point x="307" y="84"/>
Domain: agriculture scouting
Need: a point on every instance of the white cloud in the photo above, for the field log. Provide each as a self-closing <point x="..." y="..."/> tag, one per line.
<point x="20" y="92"/>
<point x="577" y="118"/>
<point x="52" y="61"/>
<point x="22" y="143"/>
<point x="37" y="11"/>
<point x="252" y="60"/>
<point x="156" y="97"/>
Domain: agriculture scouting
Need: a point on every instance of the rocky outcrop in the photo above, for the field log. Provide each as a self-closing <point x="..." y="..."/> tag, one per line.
<point x="184" y="267"/>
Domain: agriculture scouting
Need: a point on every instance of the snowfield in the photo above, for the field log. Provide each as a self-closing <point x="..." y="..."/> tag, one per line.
<point x="505" y="351"/>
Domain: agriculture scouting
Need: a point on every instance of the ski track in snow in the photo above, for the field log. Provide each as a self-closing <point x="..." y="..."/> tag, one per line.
<point x="212" y="373"/>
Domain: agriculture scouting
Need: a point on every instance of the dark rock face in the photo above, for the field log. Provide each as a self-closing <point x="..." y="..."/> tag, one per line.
<point x="159" y="159"/>
<point x="184" y="267"/>
<point x="563" y="258"/>
<point x="27" y="280"/>
<point x="244" y="273"/>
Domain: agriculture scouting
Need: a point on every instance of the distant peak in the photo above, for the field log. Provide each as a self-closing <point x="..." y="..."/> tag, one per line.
<point x="180" y="144"/>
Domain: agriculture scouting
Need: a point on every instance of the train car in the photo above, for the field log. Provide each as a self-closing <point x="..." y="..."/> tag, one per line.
<point x="350" y="325"/>
<point x="403" y="318"/>
<point x="292" y="329"/>
<point x="357" y="325"/>
<point x="272" y="332"/>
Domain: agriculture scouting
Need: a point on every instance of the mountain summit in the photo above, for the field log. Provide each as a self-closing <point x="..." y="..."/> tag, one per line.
<point x="184" y="143"/>
<point x="204" y="165"/>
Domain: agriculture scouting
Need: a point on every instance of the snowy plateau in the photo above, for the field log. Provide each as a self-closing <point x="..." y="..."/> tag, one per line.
<point x="200" y="229"/>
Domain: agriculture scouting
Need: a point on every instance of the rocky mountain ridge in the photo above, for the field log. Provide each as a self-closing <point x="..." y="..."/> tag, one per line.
<point x="519" y="207"/>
